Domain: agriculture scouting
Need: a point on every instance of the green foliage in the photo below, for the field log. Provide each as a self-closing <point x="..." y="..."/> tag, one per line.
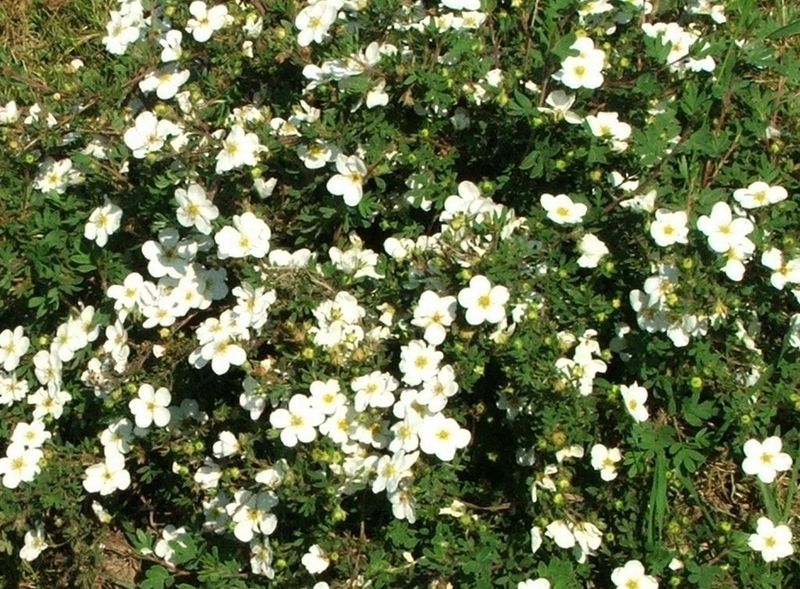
<point x="471" y="109"/>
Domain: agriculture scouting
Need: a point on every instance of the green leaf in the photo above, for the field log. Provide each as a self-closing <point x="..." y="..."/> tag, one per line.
<point x="789" y="30"/>
<point x="157" y="577"/>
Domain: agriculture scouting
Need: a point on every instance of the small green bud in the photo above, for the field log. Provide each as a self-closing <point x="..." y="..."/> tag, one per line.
<point x="696" y="383"/>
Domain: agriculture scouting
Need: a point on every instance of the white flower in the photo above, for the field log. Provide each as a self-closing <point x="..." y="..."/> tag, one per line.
<point x="20" y="465"/>
<point x="765" y="459"/>
<point x="126" y="295"/>
<point x="170" y="536"/>
<point x="782" y="273"/>
<point x="34" y="544"/>
<point x="561" y="533"/>
<point x="608" y="126"/>
<point x="483" y="301"/>
<point x="419" y="362"/>
<point x="108" y="476"/>
<point x="13" y="346"/>
<point x="9" y="113"/>
<point x="298" y="422"/>
<point x="373" y="390"/>
<point x="584" y="70"/>
<point x="592" y="250"/>
<point x="534" y="584"/>
<point x="588" y="539"/>
<point x="165" y="81"/>
<point x="559" y="104"/>
<point x="151" y="406"/>
<point x="722" y="230"/>
<point x="461" y="4"/>
<point x="773" y="542"/>
<point x="226" y="445"/>
<point x="314" y="21"/>
<point x="56" y="176"/>
<point x="605" y="460"/>
<point x="239" y="148"/>
<point x="442" y="436"/>
<point x="327" y="396"/>
<point x="670" y="227"/>
<point x="350" y="179"/>
<point x="561" y="209"/>
<point x="148" y="134"/>
<point x="759" y="194"/>
<point x="434" y="313"/>
<point x="223" y="354"/>
<point x="194" y="209"/>
<point x="249" y="236"/>
<point x="632" y="576"/>
<point x="391" y="470"/>
<point x="122" y="30"/>
<point x="205" y="21"/>
<point x="251" y="513"/>
<point x="635" y="397"/>
<point x="103" y="222"/>
<point x="315" y="560"/>
<point x="377" y="96"/>
<point x="30" y="435"/>
<point x="316" y="155"/>
<point x="171" y="45"/>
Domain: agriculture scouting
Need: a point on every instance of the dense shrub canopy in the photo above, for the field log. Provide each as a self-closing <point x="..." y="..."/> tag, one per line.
<point x="384" y="293"/>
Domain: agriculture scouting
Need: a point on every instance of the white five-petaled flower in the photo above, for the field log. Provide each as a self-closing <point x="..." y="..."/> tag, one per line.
<point x="151" y="406"/>
<point x="103" y="222"/>
<point x="584" y="70"/>
<point x="194" y="208"/>
<point x="434" y="313"/>
<point x="314" y="21"/>
<point x="249" y="236"/>
<point x="722" y="230"/>
<point x="298" y="422"/>
<point x="759" y="194"/>
<point x="483" y="301"/>
<point x="605" y="460"/>
<point x="223" y="353"/>
<point x="765" y="459"/>
<point x="34" y="544"/>
<point x="348" y="183"/>
<point x="607" y="125"/>
<point x="782" y="272"/>
<point x="670" y="227"/>
<point x="534" y="584"/>
<point x="632" y="576"/>
<point x="773" y="542"/>
<point x="419" y="362"/>
<point x="20" y="465"/>
<point x="592" y="250"/>
<point x="206" y="21"/>
<point x="315" y="560"/>
<point x="442" y="436"/>
<point x="107" y="476"/>
<point x="635" y="397"/>
<point x="165" y="81"/>
<point x="562" y="210"/>
<point x="13" y="346"/>
<point x="148" y="134"/>
<point x="239" y="148"/>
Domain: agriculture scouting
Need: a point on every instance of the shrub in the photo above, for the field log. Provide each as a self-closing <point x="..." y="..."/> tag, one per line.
<point x="389" y="293"/>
